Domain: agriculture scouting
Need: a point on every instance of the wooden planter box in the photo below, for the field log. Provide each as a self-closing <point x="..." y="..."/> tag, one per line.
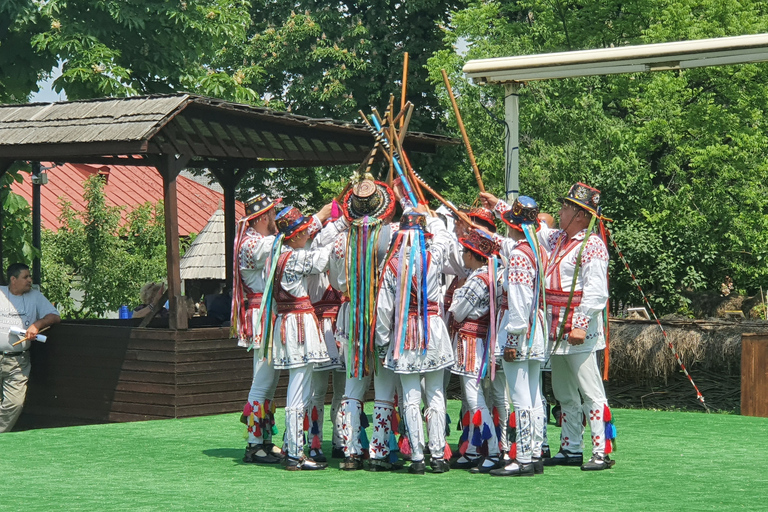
<point x="111" y="371"/>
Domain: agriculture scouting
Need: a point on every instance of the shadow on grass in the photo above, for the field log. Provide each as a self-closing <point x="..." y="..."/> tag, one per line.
<point x="226" y="453"/>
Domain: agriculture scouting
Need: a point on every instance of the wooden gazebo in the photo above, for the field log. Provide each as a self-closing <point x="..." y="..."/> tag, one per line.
<point x="162" y="372"/>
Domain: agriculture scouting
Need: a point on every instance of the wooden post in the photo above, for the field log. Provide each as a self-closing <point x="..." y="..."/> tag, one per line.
<point x="512" y="151"/>
<point x="36" y="219"/>
<point x="754" y="375"/>
<point x="169" y="167"/>
<point x="228" y="179"/>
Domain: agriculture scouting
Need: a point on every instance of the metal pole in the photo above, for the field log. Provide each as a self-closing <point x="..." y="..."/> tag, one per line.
<point x="511" y="150"/>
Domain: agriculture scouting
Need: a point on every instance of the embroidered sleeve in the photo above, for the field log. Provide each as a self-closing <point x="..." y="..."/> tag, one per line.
<point x="472" y="300"/>
<point x="254" y="251"/>
<point x="303" y="263"/>
<point x="330" y="232"/>
<point x="501" y="207"/>
<point x="520" y="282"/>
<point x="594" y="282"/>
<point x="441" y="241"/>
<point x="315" y="226"/>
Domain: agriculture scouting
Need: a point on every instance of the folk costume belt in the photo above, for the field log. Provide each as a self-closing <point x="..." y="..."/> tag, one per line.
<point x="254" y="300"/>
<point x="560" y="298"/>
<point x="299" y="305"/>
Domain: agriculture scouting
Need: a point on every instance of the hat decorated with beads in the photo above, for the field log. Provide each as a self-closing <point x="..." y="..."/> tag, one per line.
<point x="480" y="242"/>
<point x="484" y="217"/>
<point x="258" y="205"/>
<point x="290" y="222"/>
<point x="524" y="210"/>
<point x="368" y="198"/>
<point x="584" y="196"/>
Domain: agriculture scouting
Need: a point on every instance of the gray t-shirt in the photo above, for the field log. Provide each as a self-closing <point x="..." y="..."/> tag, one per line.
<point x="20" y="311"/>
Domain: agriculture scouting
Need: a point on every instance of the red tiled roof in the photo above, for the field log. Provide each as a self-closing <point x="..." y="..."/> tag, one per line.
<point x="126" y="186"/>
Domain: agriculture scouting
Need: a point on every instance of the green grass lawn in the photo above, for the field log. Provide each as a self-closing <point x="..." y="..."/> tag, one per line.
<point x="665" y="461"/>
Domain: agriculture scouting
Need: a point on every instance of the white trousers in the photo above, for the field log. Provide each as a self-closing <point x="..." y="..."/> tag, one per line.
<point x="384" y="384"/>
<point x="473" y="391"/>
<point x="316" y="407"/>
<point x="296" y="400"/>
<point x="575" y="376"/>
<point x="435" y="413"/>
<point x="263" y="388"/>
<point x="524" y="381"/>
<point x="349" y="414"/>
<point x="497" y="397"/>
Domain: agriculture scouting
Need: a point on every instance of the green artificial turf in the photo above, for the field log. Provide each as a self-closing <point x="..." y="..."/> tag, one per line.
<point x="665" y="461"/>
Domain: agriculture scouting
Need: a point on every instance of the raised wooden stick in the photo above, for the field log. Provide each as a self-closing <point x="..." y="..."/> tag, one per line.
<point x="405" y="82"/>
<point x="22" y="340"/>
<point x="463" y="132"/>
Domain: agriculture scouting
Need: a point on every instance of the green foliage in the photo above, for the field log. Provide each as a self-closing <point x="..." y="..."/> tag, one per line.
<point x="679" y="156"/>
<point x="17" y="223"/>
<point x="93" y="256"/>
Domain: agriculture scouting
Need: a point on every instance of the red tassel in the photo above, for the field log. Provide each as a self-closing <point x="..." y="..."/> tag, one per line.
<point x="608" y="446"/>
<point x="314" y="413"/>
<point x="404" y="445"/>
<point x="583" y="419"/>
<point x="477" y="419"/>
<point x="267" y="404"/>
<point x="496" y="420"/>
<point x="257" y="429"/>
<point x="606" y="413"/>
<point x="394" y="422"/>
<point x="447" y="453"/>
<point x="463" y="447"/>
<point x="465" y="422"/>
<point x="513" y="451"/>
<point x="248" y="409"/>
<point x="512" y="420"/>
<point x="316" y="444"/>
<point x="306" y="423"/>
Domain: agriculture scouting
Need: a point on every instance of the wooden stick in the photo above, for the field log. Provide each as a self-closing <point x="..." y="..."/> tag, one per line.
<point x="395" y="137"/>
<point x="463" y="132"/>
<point x="405" y="83"/>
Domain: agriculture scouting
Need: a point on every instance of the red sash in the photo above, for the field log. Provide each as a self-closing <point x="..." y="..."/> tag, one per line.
<point x="287" y="304"/>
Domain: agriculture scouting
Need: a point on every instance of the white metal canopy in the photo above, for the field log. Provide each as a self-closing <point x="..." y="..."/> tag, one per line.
<point x="512" y="71"/>
<point x="623" y="59"/>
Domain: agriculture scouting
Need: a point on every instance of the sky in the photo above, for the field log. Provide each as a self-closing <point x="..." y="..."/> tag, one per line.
<point x="46" y="93"/>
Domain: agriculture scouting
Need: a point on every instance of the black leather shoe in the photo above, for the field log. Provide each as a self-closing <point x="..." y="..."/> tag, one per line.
<point x="565" y="458"/>
<point x="465" y="462"/>
<point x="483" y="468"/>
<point x="317" y="456"/>
<point x="440" y="465"/>
<point x="598" y="463"/>
<point x="303" y="464"/>
<point x="538" y="466"/>
<point x="257" y="454"/>
<point x="519" y="469"/>
<point x="545" y="453"/>
<point x="378" y="465"/>
<point x="417" y="468"/>
<point x="352" y="463"/>
<point x="337" y="453"/>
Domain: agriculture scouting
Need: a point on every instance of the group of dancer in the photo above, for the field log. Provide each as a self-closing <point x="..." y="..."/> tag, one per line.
<point x="348" y="294"/>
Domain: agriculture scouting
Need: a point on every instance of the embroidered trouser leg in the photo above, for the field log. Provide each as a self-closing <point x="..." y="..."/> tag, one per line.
<point x="339" y="381"/>
<point x="572" y="374"/>
<point x="14" y="375"/>
<point x="523" y="381"/>
<point x="481" y="427"/>
<point x="316" y="407"/>
<point x="543" y="421"/>
<point x="384" y="382"/>
<point x="297" y="397"/>
<point x="349" y="411"/>
<point x="271" y="398"/>
<point x="264" y="381"/>
<point x="497" y="397"/>
<point x="433" y="384"/>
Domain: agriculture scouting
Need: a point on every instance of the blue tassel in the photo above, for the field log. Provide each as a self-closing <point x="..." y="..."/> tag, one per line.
<point x="363" y="420"/>
<point x="498" y="432"/>
<point x="464" y="435"/>
<point x="393" y="447"/>
<point x="486" y="432"/>
<point x="447" y="425"/>
<point x="610" y="431"/>
<point x="364" y="439"/>
<point x="477" y="439"/>
<point x="315" y="429"/>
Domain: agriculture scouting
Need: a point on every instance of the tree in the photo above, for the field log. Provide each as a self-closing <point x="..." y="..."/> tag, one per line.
<point x="679" y="156"/>
<point x="95" y="257"/>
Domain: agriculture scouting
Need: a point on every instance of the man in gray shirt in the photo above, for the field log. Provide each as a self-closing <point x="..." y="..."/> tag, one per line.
<point x="24" y="309"/>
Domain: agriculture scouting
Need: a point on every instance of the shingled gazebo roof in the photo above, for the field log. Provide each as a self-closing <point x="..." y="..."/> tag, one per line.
<point x="206" y="257"/>
<point x="118" y="130"/>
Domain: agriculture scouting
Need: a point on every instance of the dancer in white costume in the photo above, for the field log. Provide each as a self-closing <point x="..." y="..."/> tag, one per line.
<point x="255" y="236"/>
<point x="411" y="334"/>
